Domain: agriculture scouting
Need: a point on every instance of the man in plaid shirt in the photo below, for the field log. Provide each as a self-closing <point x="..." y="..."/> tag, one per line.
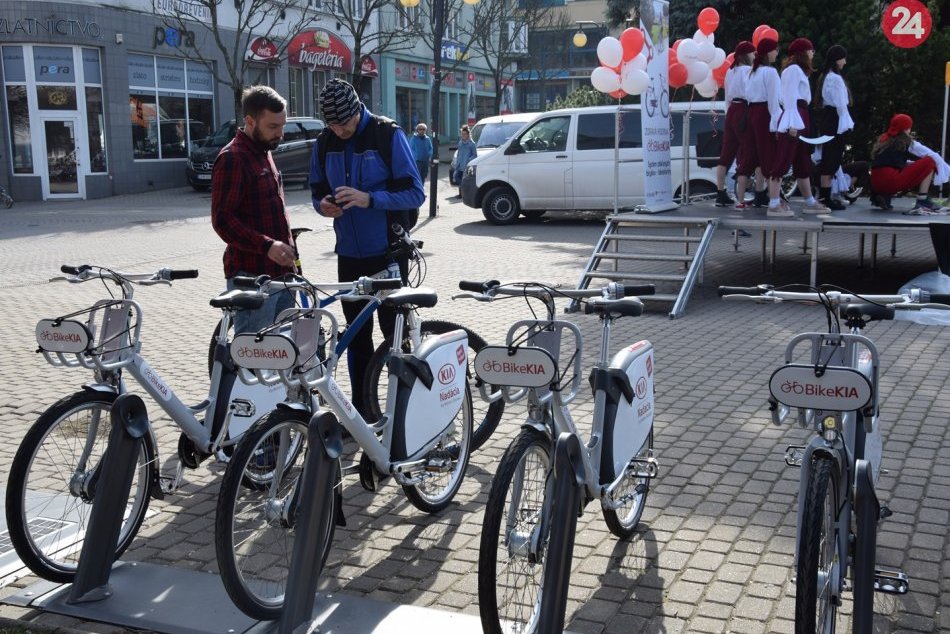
<point x="247" y="204"/>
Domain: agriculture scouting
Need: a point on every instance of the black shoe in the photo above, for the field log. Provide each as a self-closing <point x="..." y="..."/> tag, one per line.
<point x="881" y="202"/>
<point x="833" y="204"/>
<point x="723" y="199"/>
<point x="761" y="199"/>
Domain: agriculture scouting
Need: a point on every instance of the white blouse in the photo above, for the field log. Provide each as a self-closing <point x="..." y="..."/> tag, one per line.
<point x="764" y="85"/>
<point x="794" y="87"/>
<point x="943" y="170"/>
<point x="735" y="83"/>
<point x="834" y="93"/>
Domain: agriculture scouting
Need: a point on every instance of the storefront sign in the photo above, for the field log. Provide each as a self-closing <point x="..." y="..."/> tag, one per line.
<point x="261" y="49"/>
<point x="368" y="67"/>
<point x="172" y="37"/>
<point x="416" y="73"/>
<point x="183" y="9"/>
<point x="32" y="26"/>
<point x="454" y="52"/>
<point x="317" y="48"/>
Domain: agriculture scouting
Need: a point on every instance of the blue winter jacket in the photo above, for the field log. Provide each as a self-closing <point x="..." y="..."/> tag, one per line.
<point x="421" y="147"/>
<point x="356" y="162"/>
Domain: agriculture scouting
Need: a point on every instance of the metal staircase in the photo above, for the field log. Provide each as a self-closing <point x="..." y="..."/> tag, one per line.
<point x="666" y="251"/>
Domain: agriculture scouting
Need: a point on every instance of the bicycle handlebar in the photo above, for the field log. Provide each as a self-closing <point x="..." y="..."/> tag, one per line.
<point x="876" y="307"/>
<point x="86" y="272"/>
<point x="490" y="288"/>
<point x="183" y="274"/>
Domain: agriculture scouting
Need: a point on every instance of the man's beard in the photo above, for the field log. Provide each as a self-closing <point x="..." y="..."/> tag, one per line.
<point x="264" y="145"/>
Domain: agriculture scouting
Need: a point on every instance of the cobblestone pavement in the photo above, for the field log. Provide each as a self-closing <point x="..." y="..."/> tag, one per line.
<point x="715" y="547"/>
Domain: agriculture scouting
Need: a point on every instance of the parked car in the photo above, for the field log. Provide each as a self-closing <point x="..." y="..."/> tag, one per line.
<point x="564" y="159"/>
<point x="491" y="132"/>
<point x="292" y="156"/>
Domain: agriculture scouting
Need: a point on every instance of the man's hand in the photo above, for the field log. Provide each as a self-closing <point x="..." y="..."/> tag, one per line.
<point x="330" y="209"/>
<point x="347" y="198"/>
<point x="281" y="253"/>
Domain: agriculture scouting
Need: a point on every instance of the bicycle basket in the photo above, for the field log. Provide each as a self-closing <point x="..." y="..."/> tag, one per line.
<point x="107" y="340"/>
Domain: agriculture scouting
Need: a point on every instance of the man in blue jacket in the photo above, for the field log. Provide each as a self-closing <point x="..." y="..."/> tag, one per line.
<point x="364" y="192"/>
<point x="421" y="146"/>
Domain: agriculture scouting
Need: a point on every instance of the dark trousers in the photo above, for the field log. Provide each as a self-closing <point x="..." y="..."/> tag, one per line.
<point x="423" y="167"/>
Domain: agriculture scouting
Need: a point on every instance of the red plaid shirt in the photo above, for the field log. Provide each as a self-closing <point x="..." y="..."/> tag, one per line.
<point x="247" y="207"/>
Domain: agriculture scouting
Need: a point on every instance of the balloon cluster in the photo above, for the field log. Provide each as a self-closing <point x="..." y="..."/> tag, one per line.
<point x="623" y="67"/>
<point x="698" y="61"/>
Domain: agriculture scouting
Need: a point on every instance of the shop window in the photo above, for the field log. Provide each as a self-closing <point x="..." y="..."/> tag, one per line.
<point x="408" y="16"/>
<point x="173" y="126"/>
<point x="54" y="64"/>
<point x="200" y="117"/>
<point x="56" y="97"/>
<point x="318" y="79"/>
<point x="296" y="101"/>
<point x="90" y="66"/>
<point x="13" y="66"/>
<point x="144" y="121"/>
<point x="95" y="124"/>
<point x="19" y="113"/>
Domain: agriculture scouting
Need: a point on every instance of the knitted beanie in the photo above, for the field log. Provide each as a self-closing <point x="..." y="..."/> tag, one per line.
<point x="766" y="46"/>
<point x="800" y="45"/>
<point x="338" y="102"/>
<point x="744" y="48"/>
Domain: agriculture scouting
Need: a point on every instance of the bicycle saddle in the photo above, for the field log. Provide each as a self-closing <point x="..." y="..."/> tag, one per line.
<point x="421" y="297"/>
<point x="238" y="299"/>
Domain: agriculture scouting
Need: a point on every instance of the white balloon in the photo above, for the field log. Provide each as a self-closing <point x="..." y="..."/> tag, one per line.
<point x="687" y="51"/>
<point x="639" y="62"/>
<point x="604" y="79"/>
<point x="708" y="87"/>
<point x="705" y="52"/>
<point x="699" y="36"/>
<point x="610" y="52"/>
<point x="635" y="81"/>
<point x="696" y="72"/>
<point x="719" y="58"/>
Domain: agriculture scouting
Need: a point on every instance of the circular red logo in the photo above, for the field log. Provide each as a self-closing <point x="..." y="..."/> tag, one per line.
<point x="906" y="23"/>
<point x="446" y="374"/>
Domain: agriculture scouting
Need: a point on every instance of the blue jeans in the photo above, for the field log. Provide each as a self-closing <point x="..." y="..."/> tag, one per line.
<point x="254" y="320"/>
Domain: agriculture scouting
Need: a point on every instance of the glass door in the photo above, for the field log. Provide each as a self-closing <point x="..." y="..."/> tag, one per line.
<point x="64" y="164"/>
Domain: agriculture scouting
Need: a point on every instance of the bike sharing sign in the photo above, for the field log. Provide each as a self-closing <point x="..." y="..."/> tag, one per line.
<point x="515" y="367"/>
<point x="654" y="119"/>
<point x="836" y="389"/>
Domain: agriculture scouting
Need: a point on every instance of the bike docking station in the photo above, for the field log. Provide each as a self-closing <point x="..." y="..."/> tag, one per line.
<point x="144" y="596"/>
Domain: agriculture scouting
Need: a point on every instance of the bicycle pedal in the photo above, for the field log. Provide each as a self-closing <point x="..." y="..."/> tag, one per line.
<point x="891" y="581"/>
<point x="794" y="454"/>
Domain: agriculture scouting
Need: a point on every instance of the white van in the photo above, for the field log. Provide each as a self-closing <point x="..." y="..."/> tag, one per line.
<point x="490" y="132"/>
<point x="564" y="159"/>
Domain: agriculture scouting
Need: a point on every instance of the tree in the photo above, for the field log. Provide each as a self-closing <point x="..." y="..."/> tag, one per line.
<point x="582" y="98"/>
<point x="549" y="50"/>
<point x="232" y="32"/>
<point x="387" y="36"/>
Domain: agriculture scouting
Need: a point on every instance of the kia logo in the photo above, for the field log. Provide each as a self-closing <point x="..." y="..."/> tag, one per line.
<point x="446" y="374"/>
<point x="641" y="387"/>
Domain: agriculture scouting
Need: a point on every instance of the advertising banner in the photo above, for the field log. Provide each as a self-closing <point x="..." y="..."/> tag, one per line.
<point x="655" y="107"/>
<point x="319" y="49"/>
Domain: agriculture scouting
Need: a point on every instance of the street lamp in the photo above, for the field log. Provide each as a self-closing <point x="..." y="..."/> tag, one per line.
<point x="580" y="38"/>
<point x="438" y="10"/>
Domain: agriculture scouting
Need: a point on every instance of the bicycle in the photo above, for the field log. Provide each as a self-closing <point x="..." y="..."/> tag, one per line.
<point x="53" y="477"/>
<point x="835" y="389"/>
<point x="255" y="526"/>
<point x="618" y="462"/>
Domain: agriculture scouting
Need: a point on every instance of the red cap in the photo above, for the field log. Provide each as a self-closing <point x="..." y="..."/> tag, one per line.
<point x="766" y="46"/>
<point x="744" y="48"/>
<point x="800" y="45"/>
<point x="899" y="123"/>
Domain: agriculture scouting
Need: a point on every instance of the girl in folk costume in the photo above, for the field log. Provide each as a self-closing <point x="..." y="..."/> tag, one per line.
<point x="763" y="91"/>
<point x="734" y="135"/>
<point x="789" y="150"/>
<point x="898" y="162"/>
<point x="835" y="121"/>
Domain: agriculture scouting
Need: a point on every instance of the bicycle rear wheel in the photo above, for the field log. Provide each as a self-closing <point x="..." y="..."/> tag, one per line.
<point x="255" y="526"/>
<point x="818" y="559"/>
<point x="52" y="485"/>
<point x="445" y="466"/>
<point x="512" y="553"/>
<point x="376" y="384"/>
<point x="632" y="494"/>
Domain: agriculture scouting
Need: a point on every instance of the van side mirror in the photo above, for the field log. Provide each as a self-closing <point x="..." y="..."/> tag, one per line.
<point x="514" y="148"/>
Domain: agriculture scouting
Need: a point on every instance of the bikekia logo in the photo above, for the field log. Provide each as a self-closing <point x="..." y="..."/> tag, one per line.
<point x="68" y="337"/>
<point x="341" y="397"/>
<point x="446" y="374"/>
<point x="816" y="389"/>
<point x="515" y="368"/>
<point x="154" y="380"/>
<point x="247" y="352"/>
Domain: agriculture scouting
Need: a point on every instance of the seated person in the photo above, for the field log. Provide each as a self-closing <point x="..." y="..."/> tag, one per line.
<point x="899" y="163"/>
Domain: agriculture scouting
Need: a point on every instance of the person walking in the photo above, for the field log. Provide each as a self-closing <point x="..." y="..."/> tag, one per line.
<point x="763" y="90"/>
<point x="836" y="121"/>
<point x="734" y="132"/>
<point x="247" y="204"/>
<point x="466" y="153"/>
<point x="791" y="123"/>
<point x="353" y="181"/>
<point x="421" y="146"/>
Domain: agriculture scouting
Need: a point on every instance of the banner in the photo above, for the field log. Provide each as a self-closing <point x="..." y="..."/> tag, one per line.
<point x="655" y="107"/>
<point x="472" y="115"/>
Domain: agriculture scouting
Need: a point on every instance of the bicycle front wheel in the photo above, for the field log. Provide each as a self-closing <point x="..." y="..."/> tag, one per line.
<point x="512" y="553"/>
<point x="376" y="384"/>
<point x="53" y="481"/>
<point x="255" y="525"/>
<point x="818" y="559"/>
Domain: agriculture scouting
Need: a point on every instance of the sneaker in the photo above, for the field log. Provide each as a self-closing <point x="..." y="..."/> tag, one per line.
<point x="816" y="208"/>
<point x="761" y="199"/>
<point x="723" y="199"/>
<point x="740" y="206"/>
<point x="853" y="194"/>
<point x="833" y="204"/>
<point x="927" y="204"/>
<point x="881" y="202"/>
<point x="782" y="211"/>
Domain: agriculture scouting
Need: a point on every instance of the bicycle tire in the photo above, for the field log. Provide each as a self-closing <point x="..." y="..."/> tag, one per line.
<point x="520" y="484"/>
<point x="375" y="385"/>
<point x="438" y="486"/>
<point x="817" y="550"/>
<point x="248" y="527"/>
<point x="47" y="526"/>
<point x="624" y="524"/>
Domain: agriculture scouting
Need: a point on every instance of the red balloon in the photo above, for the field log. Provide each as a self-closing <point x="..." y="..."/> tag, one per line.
<point x="719" y="74"/>
<point x="618" y="94"/>
<point x="676" y="44"/>
<point x="708" y="20"/>
<point x="678" y="75"/>
<point x="632" y="41"/>
<point x="672" y="57"/>
<point x="757" y="34"/>
<point x="730" y="60"/>
<point x="770" y="34"/>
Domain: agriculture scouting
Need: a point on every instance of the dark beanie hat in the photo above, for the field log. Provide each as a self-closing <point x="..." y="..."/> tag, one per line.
<point x="338" y="102"/>
<point x="744" y="48"/>
<point x="800" y="45"/>
<point x="835" y="53"/>
<point x="766" y="46"/>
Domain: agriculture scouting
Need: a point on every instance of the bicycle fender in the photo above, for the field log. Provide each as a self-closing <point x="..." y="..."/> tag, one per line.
<point x="102" y="388"/>
<point x="535" y="425"/>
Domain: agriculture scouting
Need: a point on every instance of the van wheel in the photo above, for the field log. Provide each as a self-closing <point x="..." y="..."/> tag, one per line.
<point x="534" y="214"/>
<point x="501" y="206"/>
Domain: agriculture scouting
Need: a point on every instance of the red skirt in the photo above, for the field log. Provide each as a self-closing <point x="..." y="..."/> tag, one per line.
<point x="890" y="180"/>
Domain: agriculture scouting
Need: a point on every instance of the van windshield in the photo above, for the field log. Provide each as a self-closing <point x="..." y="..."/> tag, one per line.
<point x="494" y="134"/>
